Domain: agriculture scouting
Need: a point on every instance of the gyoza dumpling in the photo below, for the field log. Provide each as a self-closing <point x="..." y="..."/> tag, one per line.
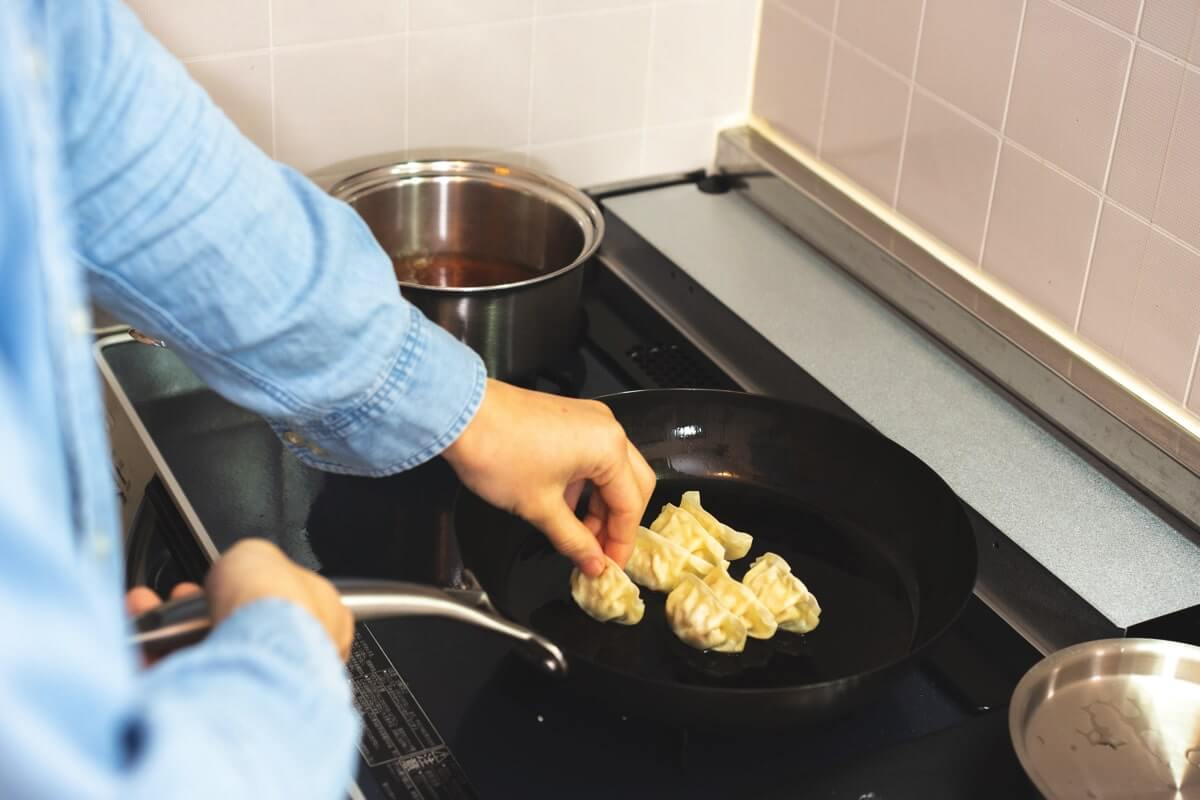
<point x="772" y="581"/>
<point x="610" y="596"/>
<point x="658" y="563"/>
<point x="736" y="543"/>
<point x="698" y="618"/>
<point x="738" y="598"/>
<point x="686" y="531"/>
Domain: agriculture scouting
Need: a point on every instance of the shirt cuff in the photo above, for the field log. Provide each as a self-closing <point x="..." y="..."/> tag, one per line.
<point x="276" y="640"/>
<point x="422" y="404"/>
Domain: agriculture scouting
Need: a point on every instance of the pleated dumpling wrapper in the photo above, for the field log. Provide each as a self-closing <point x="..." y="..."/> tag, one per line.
<point x="772" y="581"/>
<point x="686" y="531"/>
<point x="736" y="543"/>
<point x="658" y="563"/>
<point x="699" y="620"/>
<point x="608" y="597"/>
<point x="738" y="598"/>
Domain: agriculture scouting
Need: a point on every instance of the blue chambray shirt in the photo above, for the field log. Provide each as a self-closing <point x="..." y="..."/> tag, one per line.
<point x="121" y="182"/>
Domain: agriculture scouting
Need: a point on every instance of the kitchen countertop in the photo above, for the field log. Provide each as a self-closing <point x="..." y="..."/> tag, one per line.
<point x="1123" y="559"/>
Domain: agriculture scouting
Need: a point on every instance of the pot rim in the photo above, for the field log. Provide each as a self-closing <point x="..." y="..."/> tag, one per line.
<point x="578" y="205"/>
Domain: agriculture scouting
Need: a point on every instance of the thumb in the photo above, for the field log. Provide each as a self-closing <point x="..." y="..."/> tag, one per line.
<point x="570" y="536"/>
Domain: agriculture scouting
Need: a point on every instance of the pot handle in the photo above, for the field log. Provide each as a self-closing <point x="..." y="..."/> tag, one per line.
<point x="187" y="620"/>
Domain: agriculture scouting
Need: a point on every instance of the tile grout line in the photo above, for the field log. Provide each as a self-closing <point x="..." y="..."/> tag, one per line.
<point x="965" y="116"/>
<point x="833" y="43"/>
<point x="271" y="77"/>
<point x="1191" y="378"/>
<point x="1154" y="226"/>
<point x="646" y="89"/>
<point x="1135" y="37"/>
<point x="912" y="84"/>
<point x="597" y="137"/>
<point x="1112" y="152"/>
<point x="1141" y="17"/>
<point x="755" y="46"/>
<point x="1167" y="150"/>
<point x="533" y="36"/>
<point x="1137" y="288"/>
<point x="1012" y="78"/>
<point x="407" y="72"/>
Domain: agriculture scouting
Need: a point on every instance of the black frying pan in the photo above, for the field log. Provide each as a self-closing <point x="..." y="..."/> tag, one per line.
<point x="881" y="541"/>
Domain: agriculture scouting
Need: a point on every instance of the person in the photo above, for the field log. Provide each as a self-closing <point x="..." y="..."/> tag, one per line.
<point x="120" y="182"/>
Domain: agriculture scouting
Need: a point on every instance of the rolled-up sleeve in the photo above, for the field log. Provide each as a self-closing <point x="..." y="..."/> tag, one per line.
<point x="269" y="660"/>
<point x="274" y="293"/>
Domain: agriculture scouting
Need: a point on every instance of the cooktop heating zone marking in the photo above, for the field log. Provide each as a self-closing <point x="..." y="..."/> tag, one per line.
<point x="403" y="750"/>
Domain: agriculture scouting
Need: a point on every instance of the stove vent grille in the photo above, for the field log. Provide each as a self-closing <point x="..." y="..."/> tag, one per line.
<point x="671" y="367"/>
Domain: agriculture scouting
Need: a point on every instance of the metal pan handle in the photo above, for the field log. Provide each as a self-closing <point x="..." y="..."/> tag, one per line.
<point x="187" y="620"/>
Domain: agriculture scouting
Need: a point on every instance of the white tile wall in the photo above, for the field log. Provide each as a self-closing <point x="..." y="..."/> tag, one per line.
<point x="241" y="86"/>
<point x="864" y="120"/>
<point x="428" y="14"/>
<point x="1014" y="123"/>
<point x="967" y="52"/>
<point x="589" y="74"/>
<point x="946" y="177"/>
<point x="204" y="28"/>
<point x="596" y="90"/>
<point x="339" y="101"/>
<point x="1040" y="231"/>
<point x="792" y="73"/>
<point x="1065" y="108"/>
<point x="309" y="21"/>
<point x="468" y="101"/>
<point x="1141" y="149"/>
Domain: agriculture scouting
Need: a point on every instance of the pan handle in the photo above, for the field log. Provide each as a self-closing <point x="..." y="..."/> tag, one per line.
<point x="187" y="620"/>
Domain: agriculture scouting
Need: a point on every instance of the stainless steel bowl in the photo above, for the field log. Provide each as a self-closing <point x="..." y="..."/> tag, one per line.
<point x="519" y="238"/>
<point x="1115" y="718"/>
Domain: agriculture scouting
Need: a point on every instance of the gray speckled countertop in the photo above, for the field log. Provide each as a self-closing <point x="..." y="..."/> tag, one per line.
<point x="1112" y="551"/>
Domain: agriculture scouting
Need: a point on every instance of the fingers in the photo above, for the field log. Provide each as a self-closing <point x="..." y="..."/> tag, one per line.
<point x="572" y="494"/>
<point x="617" y="546"/>
<point x="139" y="600"/>
<point x="570" y="536"/>
<point x="625" y="506"/>
<point x="338" y="621"/>
<point x="183" y="590"/>
<point x="345" y="636"/>
<point x="646" y="479"/>
<point x="596" y="513"/>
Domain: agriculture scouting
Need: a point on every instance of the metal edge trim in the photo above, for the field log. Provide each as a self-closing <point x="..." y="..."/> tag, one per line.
<point x="1149" y="448"/>
<point x="602" y="191"/>
<point x="160" y="464"/>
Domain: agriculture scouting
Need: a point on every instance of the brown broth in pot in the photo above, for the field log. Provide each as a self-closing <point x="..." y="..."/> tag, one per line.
<point x="454" y="270"/>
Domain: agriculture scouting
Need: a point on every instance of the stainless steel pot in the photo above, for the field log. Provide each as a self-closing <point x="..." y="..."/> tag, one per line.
<point x="538" y="230"/>
<point x="1114" y="718"/>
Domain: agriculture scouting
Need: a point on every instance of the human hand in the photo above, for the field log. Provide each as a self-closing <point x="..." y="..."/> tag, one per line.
<point x="254" y="569"/>
<point x="531" y="454"/>
<point x="141" y="599"/>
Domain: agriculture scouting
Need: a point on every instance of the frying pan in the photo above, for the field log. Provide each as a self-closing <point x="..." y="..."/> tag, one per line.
<point x="880" y="540"/>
